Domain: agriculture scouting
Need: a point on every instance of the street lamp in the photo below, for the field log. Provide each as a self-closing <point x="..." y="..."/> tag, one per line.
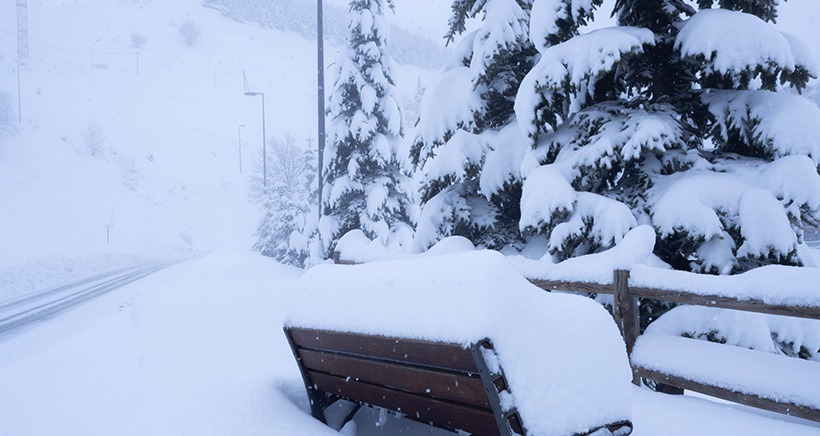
<point x="19" y="100"/>
<point x="92" y="52"/>
<point x="240" y="147"/>
<point x="264" y="153"/>
<point x="216" y="65"/>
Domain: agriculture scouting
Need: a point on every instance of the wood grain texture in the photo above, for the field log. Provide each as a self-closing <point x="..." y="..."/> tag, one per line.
<point x="441" y="385"/>
<point x="417" y="352"/>
<point x="418" y="408"/>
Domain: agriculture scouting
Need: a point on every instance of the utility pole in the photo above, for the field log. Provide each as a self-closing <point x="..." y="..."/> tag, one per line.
<point x="320" y="57"/>
<point x="22" y="29"/>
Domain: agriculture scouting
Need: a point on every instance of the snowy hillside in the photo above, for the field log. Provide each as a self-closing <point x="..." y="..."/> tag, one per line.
<point x="142" y="146"/>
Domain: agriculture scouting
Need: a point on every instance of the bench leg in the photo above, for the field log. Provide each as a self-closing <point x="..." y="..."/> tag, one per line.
<point x="350" y="415"/>
<point x="319" y="401"/>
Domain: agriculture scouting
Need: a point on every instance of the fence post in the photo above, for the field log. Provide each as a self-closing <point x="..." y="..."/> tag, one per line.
<point x="626" y="313"/>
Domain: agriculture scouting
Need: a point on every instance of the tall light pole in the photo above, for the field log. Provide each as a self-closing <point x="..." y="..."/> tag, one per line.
<point x="320" y="57"/>
<point x="264" y="152"/>
<point x="240" y="147"/>
<point x="19" y="99"/>
<point x="92" y="52"/>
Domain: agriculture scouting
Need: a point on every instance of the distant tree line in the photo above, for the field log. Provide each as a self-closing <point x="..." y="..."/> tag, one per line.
<point x="300" y="17"/>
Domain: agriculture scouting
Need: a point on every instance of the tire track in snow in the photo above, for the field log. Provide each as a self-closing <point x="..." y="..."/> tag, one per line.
<point x="43" y="305"/>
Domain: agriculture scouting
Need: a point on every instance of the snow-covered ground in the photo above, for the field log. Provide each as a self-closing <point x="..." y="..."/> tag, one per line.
<point x="198" y="349"/>
<point x="165" y="178"/>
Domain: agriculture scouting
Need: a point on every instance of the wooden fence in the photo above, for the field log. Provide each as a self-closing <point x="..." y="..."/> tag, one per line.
<point x="626" y="310"/>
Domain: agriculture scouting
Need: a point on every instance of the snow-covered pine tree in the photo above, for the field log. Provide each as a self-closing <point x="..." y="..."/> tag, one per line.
<point x="676" y="118"/>
<point x="365" y="184"/>
<point x="286" y="200"/>
<point x="467" y="150"/>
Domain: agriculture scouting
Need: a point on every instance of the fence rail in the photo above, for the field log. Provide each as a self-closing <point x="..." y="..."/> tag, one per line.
<point x="626" y="309"/>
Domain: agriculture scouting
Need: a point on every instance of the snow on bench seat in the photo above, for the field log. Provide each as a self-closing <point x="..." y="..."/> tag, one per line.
<point x="773" y="377"/>
<point x="563" y="357"/>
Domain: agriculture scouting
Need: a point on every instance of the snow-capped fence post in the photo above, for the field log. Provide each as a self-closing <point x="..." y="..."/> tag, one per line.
<point x="626" y="311"/>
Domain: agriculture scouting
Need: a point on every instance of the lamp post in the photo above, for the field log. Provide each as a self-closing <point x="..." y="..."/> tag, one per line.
<point x="19" y="99"/>
<point x="92" y="52"/>
<point x="264" y="153"/>
<point x="320" y="57"/>
<point x="216" y="65"/>
<point x="240" y="147"/>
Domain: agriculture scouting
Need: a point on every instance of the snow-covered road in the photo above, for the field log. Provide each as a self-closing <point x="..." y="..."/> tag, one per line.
<point x="198" y="349"/>
<point x="18" y="313"/>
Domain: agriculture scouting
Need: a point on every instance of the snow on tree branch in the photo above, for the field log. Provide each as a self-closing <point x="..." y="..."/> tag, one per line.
<point x="764" y="123"/>
<point x="571" y="69"/>
<point x="555" y="21"/>
<point x="739" y="44"/>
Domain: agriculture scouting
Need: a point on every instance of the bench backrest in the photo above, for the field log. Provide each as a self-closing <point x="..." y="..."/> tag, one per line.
<point x="443" y="384"/>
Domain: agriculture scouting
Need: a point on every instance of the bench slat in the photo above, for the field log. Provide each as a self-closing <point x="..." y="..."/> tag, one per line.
<point x="442" y="385"/>
<point x="415" y="407"/>
<point x="413" y="351"/>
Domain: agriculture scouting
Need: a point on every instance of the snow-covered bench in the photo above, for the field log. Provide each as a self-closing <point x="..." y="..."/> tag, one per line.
<point x="445" y="384"/>
<point x="769" y="381"/>
<point x="428" y="338"/>
<point x="448" y="385"/>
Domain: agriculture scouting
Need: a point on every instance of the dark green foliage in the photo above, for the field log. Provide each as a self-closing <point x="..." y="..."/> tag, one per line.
<point x="488" y="219"/>
<point x="766" y="10"/>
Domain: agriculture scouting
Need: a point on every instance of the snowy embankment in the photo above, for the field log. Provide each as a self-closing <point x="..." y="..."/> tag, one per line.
<point x="197" y="349"/>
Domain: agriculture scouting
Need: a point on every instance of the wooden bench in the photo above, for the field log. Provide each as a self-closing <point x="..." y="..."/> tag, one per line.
<point x="442" y="384"/>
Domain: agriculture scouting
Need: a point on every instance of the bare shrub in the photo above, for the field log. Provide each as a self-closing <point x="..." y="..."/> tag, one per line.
<point x="190" y="33"/>
<point x="137" y="40"/>
<point x="94" y="138"/>
<point x="5" y="112"/>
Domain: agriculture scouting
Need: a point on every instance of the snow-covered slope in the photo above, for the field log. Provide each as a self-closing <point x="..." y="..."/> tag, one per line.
<point x="164" y="181"/>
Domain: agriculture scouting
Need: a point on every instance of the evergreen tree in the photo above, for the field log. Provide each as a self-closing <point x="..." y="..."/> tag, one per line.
<point x="365" y="185"/>
<point x="467" y="150"/>
<point x="675" y="118"/>
<point x="286" y="200"/>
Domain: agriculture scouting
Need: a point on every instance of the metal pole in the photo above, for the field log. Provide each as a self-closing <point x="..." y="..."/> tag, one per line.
<point x="240" y="147"/>
<point x="320" y="58"/>
<point x="264" y="146"/>
<point x="19" y="99"/>
<point x="92" y="52"/>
